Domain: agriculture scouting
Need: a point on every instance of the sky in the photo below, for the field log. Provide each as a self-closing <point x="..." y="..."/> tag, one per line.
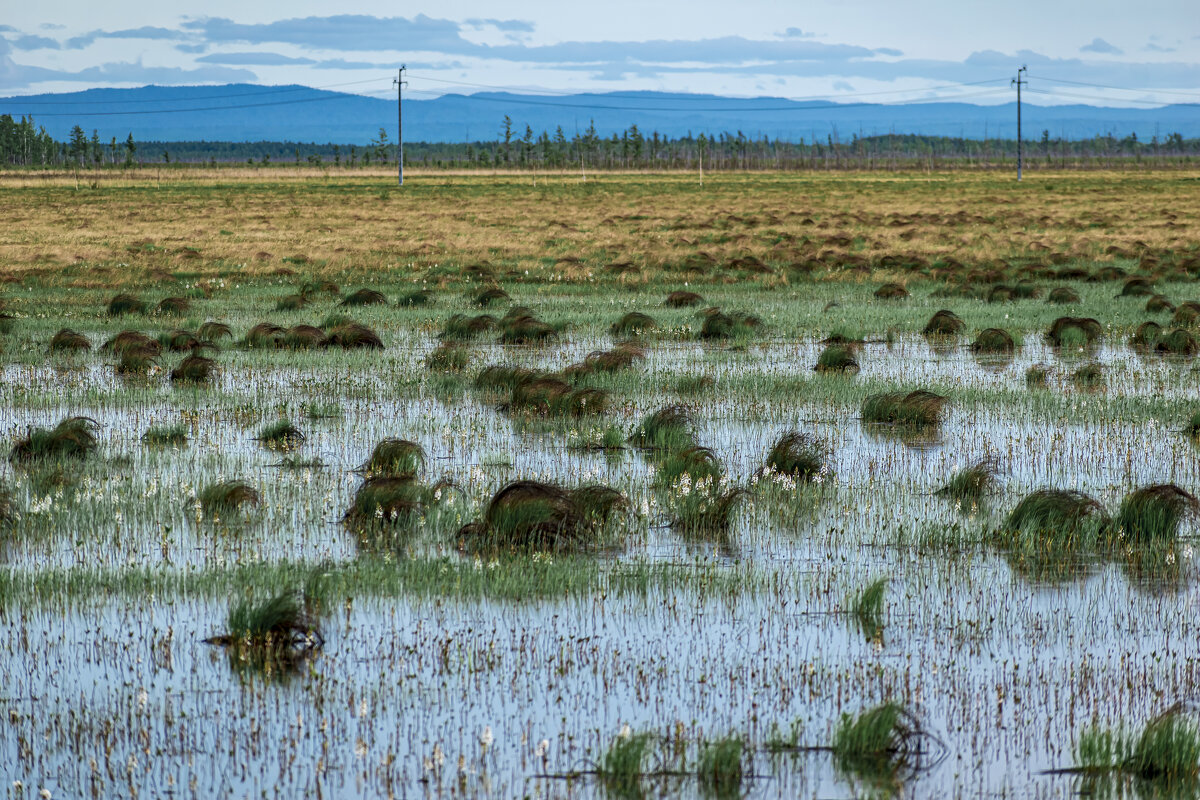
<point x="1099" y="53"/>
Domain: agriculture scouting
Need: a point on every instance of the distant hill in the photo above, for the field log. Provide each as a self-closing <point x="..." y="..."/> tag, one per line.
<point x="243" y="112"/>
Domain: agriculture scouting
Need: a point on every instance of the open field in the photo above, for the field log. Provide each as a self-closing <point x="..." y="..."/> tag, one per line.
<point x="881" y="603"/>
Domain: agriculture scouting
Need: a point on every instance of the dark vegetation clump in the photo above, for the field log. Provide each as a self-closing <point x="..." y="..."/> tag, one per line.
<point x="179" y="341"/>
<point x="1178" y="342"/>
<point x="836" y="358"/>
<point x="1063" y="295"/>
<point x="1152" y="514"/>
<point x="683" y="299"/>
<point x="551" y="396"/>
<point x="447" y="357"/>
<point x="126" y="304"/>
<point x="1186" y="314"/>
<point x="884" y="743"/>
<point x="131" y="340"/>
<point x="263" y="335"/>
<point x="618" y="358"/>
<point x="273" y="636"/>
<point x="993" y="341"/>
<point x="1089" y="377"/>
<point x="1059" y="514"/>
<point x="193" y="369"/>
<point x="532" y="516"/>
<point x="1137" y="287"/>
<point x="301" y="337"/>
<point x="227" y="496"/>
<point x="634" y="323"/>
<point x="352" y="336"/>
<point x="292" y="302"/>
<point x="136" y="361"/>
<point x="719" y="325"/>
<point x="1158" y="304"/>
<point x="398" y="458"/>
<point x="460" y="326"/>
<point x="173" y="305"/>
<point x="918" y="408"/>
<point x="212" y="331"/>
<point x="973" y="482"/>
<point x="280" y="435"/>
<point x="165" y="435"/>
<point x="666" y="430"/>
<point x="364" y="297"/>
<point x="944" y="323"/>
<point x="796" y="455"/>
<point x="1147" y="335"/>
<point x="520" y="326"/>
<point x="1037" y="376"/>
<point x="74" y="437"/>
<point x="488" y="296"/>
<point x="1074" y="331"/>
<point x="69" y="341"/>
<point x="891" y="291"/>
<point x="388" y="500"/>
<point x="421" y="297"/>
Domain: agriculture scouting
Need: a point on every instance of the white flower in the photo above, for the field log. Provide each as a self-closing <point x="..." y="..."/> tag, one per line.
<point x="44" y="794"/>
<point x="542" y="747"/>
<point x="486" y="737"/>
<point x="439" y="757"/>
<point x="626" y="732"/>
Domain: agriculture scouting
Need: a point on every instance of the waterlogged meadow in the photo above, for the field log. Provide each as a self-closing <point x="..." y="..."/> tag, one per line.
<point x="640" y="492"/>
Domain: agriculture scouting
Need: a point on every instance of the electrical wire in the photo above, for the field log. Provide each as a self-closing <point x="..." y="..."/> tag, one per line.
<point x="1114" y="88"/>
<point x="1093" y="98"/>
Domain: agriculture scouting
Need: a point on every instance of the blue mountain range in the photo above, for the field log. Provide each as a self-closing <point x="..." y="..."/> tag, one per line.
<point x="244" y="112"/>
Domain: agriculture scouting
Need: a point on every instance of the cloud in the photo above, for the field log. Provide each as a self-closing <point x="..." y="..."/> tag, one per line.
<point x="253" y="59"/>
<point x="347" y="32"/>
<point x="19" y="76"/>
<point x="1098" y="45"/>
<point x="843" y="86"/>
<point x="35" y="43"/>
<point x="191" y="48"/>
<point x="1151" y="47"/>
<point x="796" y="33"/>
<point x="8" y="29"/>
<point x="889" y="51"/>
<point x="144" y="32"/>
<point x="508" y="25"/>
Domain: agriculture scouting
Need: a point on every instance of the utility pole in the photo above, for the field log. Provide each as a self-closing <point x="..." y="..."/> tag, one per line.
<point x="1019" y="83"/>
<point x="400" y="83"/>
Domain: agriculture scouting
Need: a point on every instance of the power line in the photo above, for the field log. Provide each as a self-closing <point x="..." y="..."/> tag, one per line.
<point x="1075" y="95"/>
<point x="1115" y="88"/>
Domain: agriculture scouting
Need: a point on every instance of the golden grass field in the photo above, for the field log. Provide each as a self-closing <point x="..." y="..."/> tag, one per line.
<point x="118" y="228"/>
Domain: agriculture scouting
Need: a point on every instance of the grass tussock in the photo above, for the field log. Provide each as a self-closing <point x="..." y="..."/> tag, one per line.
<point x="520" y="326"/>
<point x="973" y="482"/>
<point x="620" y="769"/>
<point x="891" y="291"/>
<point x="1153" y="514"/>
<point x="74" y="437"/>
<point x="419" y="298"/>
<point x="1187" y="314"/>
<point x="993" y="341"/>
<point x="1146" y="336"/>
<point x="123" y="304"/>
<point x="1062" y="295"/>
<point x="352" y="336"/>
<point x="618" y="358"/>
<point x="887" y="742"/>
<point x="735" y="325"/>
<point x="668" y="429"/>
<point x="487" y="297"/>
<point x="274" y="635"/>
<point x="533" y="516"/>
<point x="1061" y="516"/>
<point x="395" y="500"/>
<point x="550" y="396"/>
<point x="944" y="323"/>
<point x="634" y="323"/>
<point x="1089" y="377"/>
<point x="1037" y="376"/>
<point x="866" y="608"/>
<point x="1159" y="304"/>
<point x="165" y="436"/>
<point x="173" y="306"/>
<point x="447" y="357"/>
<point x="1178" y="342"/>
<point x="280" y="435"/>
<point x="720" y="772"/>
<point x="364" y="297"/>
<point x="301" y="337"/>
<point x="1074" y="331"/>
<point x="69" y="341"/>
<point x="193" y="369"/>
<point x="1167" y="752"/>
<point x="461" y="327"/>
<point x="212" y="331"/>
<point x="399" y="458"/>
<point x="917" y="408"/>
<point x="227" y="497"/>
<point x="797" y="455"/>
<point x="131" y="340"/>
<point x="264" y="335"/>
<point x="836" y="359"/>
<point x="683" y="299"/>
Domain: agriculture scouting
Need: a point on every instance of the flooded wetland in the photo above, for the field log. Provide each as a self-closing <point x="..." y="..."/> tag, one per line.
<point x="783" y="486"/>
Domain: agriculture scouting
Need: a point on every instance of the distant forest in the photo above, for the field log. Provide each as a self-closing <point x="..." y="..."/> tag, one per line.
<point x="23" y="145"/>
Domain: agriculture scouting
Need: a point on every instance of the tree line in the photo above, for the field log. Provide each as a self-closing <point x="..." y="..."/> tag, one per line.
<point x="21" y="144"/>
